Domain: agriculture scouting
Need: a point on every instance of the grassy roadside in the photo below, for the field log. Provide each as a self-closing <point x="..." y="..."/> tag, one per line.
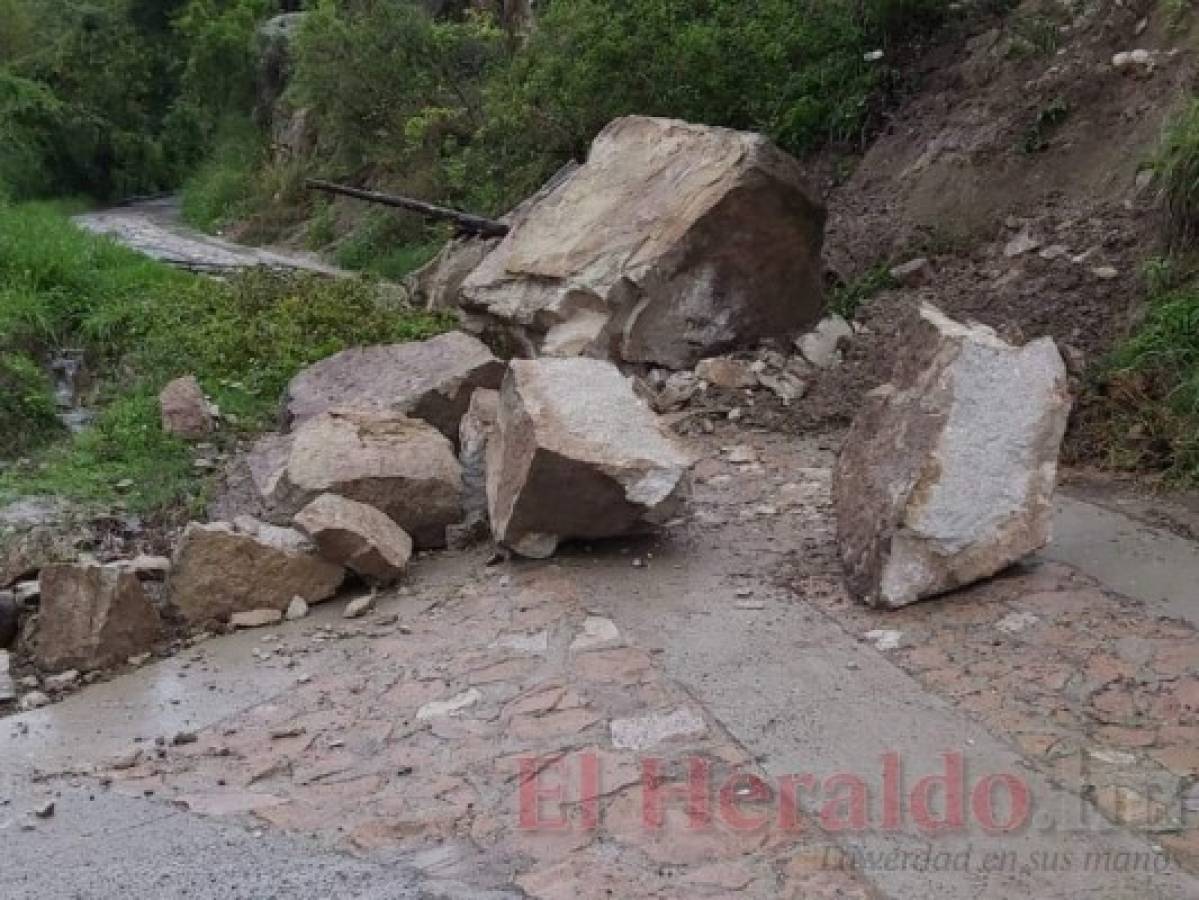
<point x="139" y="325"/>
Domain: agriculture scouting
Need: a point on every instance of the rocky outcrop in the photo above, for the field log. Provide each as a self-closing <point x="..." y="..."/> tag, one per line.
<point x="91" y="617"/>
<point x="402" y="467"/>
<point x="672" y="243"/>
<point x="222" y="568"/>
<point x="947" y="474"/>
<point x="576" y="454"/>
<point x="438" y="284"/>
<point x="356" y="536"/>
<point x="430" y="380"/>
<point x="185" y="411"/>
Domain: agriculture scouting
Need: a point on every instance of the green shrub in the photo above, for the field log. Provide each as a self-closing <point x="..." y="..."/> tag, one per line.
<point x="224" y="187"/>
<point x="28" y="416"/>
<point x="389" y="245"/>
<point x="1178" y="173"/>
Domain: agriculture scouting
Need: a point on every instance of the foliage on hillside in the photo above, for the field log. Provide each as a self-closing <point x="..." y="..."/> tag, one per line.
<point x="141" y="324"/>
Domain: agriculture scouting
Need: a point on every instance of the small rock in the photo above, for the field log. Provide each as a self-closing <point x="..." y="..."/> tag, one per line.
<point x="34" y="700"/>
<point x="1054" y="251"/>
<point x="742" y="454"/>
<point x="1021" y="244"/>
<point x="126" y="760"/>
<point x="1105" y="273"/>
<point x="185" y="412"/>
<point x="63" y="681"/>
<point x="45" y="810"/>
<point x="297" y="609"/>
<point x="182" y="738"/>
<point x="256" y="618"/>
<point x="823" y="347"/>
<point x="751" y="605"/>
<point x="884" y="638"/>
<point x="439" y="709"/>
<point x="913" y="274"/>
<point x="1016" y="622"/>
<point x="726" y="372"/>
<point x="597" y="630"/>
<point x="286" y="731"/>
<point x="359" y="607"/>
<point x="784" y="385"/>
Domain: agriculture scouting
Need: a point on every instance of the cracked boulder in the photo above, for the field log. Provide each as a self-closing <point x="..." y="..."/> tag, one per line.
<point x="672" y="243"/>
<point x="226" y="568"/>
<point x="403" y="467"/>
<point x="91" y="617"/>
<point x="430" y="380"/>
<point x="356" y="536"/>
<point x="576" y="454"/>
<point x="947" y="475"/>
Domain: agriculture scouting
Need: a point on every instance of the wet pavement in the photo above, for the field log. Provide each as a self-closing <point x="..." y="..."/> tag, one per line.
<point x="401" y="750"/>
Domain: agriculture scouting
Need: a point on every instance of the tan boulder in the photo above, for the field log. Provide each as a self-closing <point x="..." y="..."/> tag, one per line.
<point x="222" y="568"/>
<point x="91" y="617"/>
<point x="185" y="411"/>
<point x="356" y="536"/>
<point x="576" y="454"/>
<point x="402" y="467"/>
<point x="673" y="242"/>
<point x="947" y="474"/>
<point x="430" y="380"/>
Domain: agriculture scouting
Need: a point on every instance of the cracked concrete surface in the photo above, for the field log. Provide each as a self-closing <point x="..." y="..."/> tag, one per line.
<point x="312" y="772"/>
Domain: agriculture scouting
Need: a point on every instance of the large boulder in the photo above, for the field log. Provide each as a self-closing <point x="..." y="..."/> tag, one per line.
<point x="430" y="380"/>
<point x="947" y="474"/>
<point x="91" y="617"/>
<point x="401" y="466"/>
<point x="185" y="411"/>
<point x="674" y="242"/>
<point x="356" y="536"/>
<point x="224" y="568"/>
<point x="576" y="454"/>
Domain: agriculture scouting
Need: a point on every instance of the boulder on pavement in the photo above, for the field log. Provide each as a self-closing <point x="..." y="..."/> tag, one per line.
<point x="185" y="412"/>
<point x="91" y="617"/>
<point x="222" y="568"/>
<point x="575" y="454"/>
<point x="356" y="536"/>
<point x="402" y="467"/>
<point x="430" y="380"/>
<point x="947" y="474"/>
<point x="673" y="242"/>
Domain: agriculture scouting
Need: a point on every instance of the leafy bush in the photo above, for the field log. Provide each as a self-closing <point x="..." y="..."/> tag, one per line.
<point x="224" y="187"/>
<point x="27" y="411"/>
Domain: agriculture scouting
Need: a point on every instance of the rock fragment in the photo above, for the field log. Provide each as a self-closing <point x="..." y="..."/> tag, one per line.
<point x="221" y="568"/>
<point x="185" y="411"/>
<point x="296" y="610"/>
<point x="91" y="617"/>
<point x="402" y="467"/>
<point x="256" y="618"/>
<point x="356" y="536"/>
<point x="727" y="372"/>
<point x="477" y="428"/>
<point x="825" y="345"/>
<point x="577" y="455"/>
<point x="429" y="380"/>
<point x="947" y="474"/>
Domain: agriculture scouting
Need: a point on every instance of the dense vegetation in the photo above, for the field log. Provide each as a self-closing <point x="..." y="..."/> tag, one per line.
<point x="141" y="324"/>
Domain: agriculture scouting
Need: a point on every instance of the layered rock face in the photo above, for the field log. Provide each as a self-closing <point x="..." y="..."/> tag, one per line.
<point x="947" y="474"/>
<point x="576" y="454"/>
<point x="430" y="380"/>
<point x="674" y="242"/>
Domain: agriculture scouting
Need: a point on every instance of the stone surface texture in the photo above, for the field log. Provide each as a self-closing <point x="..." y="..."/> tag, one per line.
<point x="356" y="536"/>
<point x="947" y="475"/>
<point x="673" y="242"/>
<point x="184" y="410"/>
<point x="577" y="455"/>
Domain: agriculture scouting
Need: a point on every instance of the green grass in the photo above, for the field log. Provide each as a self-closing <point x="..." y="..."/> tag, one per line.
<point x="389" y="246"/>
<point x="225" y="186"/>
<point x="1177" y="167"/>
<point x="848" y="298"/>
<point x="142" y="324"/>
<point x="1152" y="380"/>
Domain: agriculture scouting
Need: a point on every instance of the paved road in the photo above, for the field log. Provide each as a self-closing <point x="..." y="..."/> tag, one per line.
<point x="153" y="227"/>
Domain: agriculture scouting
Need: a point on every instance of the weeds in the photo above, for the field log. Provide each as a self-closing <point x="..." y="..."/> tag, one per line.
<point x="1177" y="167"/>
<point x="847" y="299"/>
<point x="1034" y="35"/>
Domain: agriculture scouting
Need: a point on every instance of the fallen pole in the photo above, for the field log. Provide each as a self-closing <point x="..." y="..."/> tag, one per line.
<point x="465" y="222"/>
